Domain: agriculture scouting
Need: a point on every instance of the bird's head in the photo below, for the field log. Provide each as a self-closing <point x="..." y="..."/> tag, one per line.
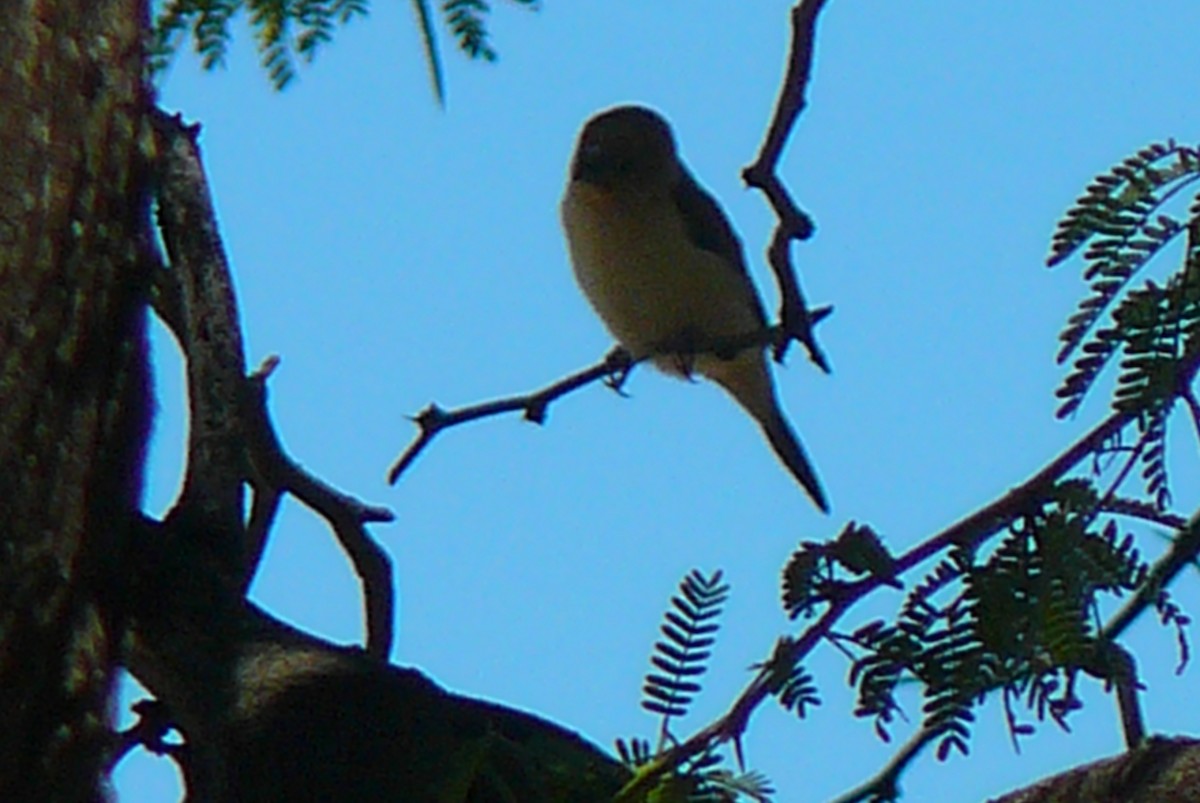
<point x="626" y="146"/>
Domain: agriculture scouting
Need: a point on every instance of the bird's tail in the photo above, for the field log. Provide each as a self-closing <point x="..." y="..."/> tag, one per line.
<point x="791" y="452"/>
<point x="748" y="379"/>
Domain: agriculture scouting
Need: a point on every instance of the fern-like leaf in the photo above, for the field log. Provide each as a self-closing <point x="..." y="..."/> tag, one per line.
<point x="635" y="752"/>
<point x="1120" y="218"/>
<point x="1169" y="613"/>
<point x="282" y="29"/>
<point x="815" y="573"/>
<point x="799" y="692"/>
<point x="788" y="681"/>
<point x="802" y="580"/>
<point x="465" y="19"/>
<point x="688" y="629"/>
<point x="286" y="29"/>
<point x="723" y="785"/>
<point x="1154" y="459"/>
<point x="1021" y="621"/>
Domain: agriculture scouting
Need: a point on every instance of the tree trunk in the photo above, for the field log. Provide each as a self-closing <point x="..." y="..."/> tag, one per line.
<point x="74" y="398"/>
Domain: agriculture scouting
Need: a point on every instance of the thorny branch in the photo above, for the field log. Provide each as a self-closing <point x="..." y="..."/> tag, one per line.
<point x="614" y="369"/>
<point x="763" y="175"/>
<point x="433" y="419"/>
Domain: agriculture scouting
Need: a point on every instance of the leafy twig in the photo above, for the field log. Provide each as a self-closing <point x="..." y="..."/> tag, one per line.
<point x="971" y="530"/>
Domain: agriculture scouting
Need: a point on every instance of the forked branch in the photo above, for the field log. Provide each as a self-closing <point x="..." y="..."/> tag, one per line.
<point x="232" y="441"/>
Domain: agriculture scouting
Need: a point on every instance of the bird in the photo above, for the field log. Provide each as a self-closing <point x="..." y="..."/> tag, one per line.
<point x="662" y="266"/>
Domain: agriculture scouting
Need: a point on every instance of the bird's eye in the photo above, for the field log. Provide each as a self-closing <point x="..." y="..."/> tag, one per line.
<point x="623" y="164"/>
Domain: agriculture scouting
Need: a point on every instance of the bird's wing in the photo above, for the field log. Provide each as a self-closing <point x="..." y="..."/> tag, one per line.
<point x="708" y="227"/>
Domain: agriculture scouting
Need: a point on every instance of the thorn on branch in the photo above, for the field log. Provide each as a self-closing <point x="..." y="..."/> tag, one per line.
<point x="265" y="369"/>
<point x="613" y="371"/>
<point x="150" y="731"/>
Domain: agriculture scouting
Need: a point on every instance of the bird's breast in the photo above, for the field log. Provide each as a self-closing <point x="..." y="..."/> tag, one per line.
<point x="649" y="283"/>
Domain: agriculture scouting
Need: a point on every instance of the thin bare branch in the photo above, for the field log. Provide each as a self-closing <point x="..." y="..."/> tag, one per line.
<point x="614" y="368"/>
<point x="274" y="472"/>
<point x="533" y="406"/>
<point x="763" y="175"/>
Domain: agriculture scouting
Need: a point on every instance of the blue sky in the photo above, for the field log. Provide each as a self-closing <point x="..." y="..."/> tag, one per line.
<point x="394" y="253"/>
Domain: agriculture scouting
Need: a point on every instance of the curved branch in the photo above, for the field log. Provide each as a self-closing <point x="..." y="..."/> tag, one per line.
<point x="763" y="175"/>
<point x="274" y="473"/>
<point x="204" y="308"/>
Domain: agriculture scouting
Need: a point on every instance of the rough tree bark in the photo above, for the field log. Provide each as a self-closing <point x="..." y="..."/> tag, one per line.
<point x="73" y="389"/>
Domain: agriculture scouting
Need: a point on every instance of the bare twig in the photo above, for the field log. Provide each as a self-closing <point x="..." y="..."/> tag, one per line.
<point x="275" y="473"/>
<point x="885" y="784"/>
<point x="763" y="175"/>
<point x="614" y="368"/>
<point x="433" y="419"/>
